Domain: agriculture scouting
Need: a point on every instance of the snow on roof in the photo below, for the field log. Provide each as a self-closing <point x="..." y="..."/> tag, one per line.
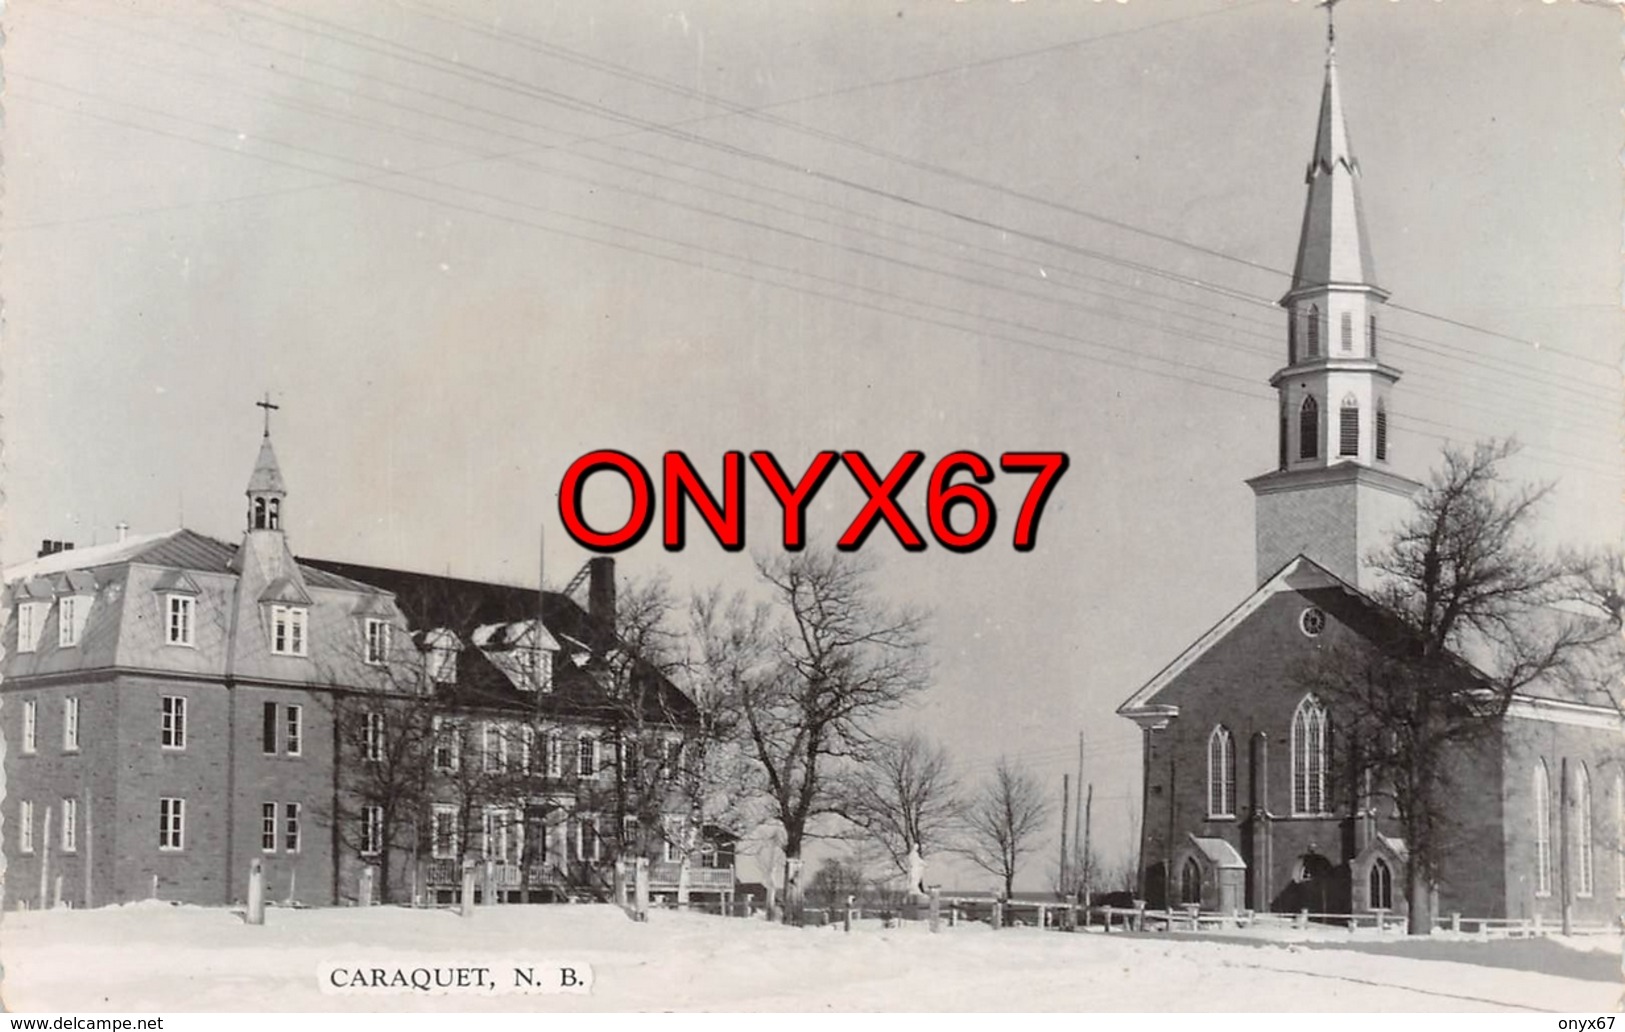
<point x="1219" y="852"/>
<point x="86" y="558"/>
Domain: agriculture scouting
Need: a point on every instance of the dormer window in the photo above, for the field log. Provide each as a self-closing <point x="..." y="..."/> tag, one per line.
<point x="288" y="631"/>
<point x="182" y="618"/>
<point x="30" y="622"/>
<point x="441" y="663"/>
<point x="377" y="632"/>
<point x="70" y="620"/>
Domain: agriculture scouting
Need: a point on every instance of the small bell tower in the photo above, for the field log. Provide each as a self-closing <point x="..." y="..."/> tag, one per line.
<point x="266" y="490"/>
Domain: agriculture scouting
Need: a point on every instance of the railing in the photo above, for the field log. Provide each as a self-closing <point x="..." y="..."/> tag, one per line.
<point x="449" y="872"/>
<point x="665" y="875"/>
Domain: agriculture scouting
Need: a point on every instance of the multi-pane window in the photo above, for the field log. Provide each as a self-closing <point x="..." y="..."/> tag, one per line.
<point x="290" y="827"/>
<point x="30" y="725"/>
<point x="527" y="745"/>
<point x="1543" y="830"/>
<point x="587" y="756"/>
<point x="377" y="641"/>
<point x="172" y="729"/>
<point x="494" y="749"/>
<point x="268" y="827"/>
<point x="1348" y="427"/>
<point x="555" y="754"/>
<point x="288" y="630"/>
<point x="171" y="823"/>
<point x="1381" y="885"/>
<point x="1309" y="428"/>
<point x="446" y="745"/>
<point x="1221" y="773"/>
<point x="182" y="614"/>
<point x="294" y="720"/>
<point x="25" y="820"/>
<point x="372" y="830"/>
<point x="444" y="843"/>
<point x="70" y="825"/>
<point x="673" y="763"/>
<point x="70" y="724"/>
<point x="1309" y="757"/>
<point x="372" y="739"/>
<point x="30" y="617"/>
<point x="67" y="622"/>
<point x="291" y="721"/>
<point x="588" y="844"/>
<point x="1586" y="872"/>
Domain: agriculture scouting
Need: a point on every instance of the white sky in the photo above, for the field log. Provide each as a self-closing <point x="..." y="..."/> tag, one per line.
<point x="462" y="245"/>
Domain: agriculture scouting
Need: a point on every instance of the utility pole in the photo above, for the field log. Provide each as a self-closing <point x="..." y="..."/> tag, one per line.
<point x="1066" y="806"/>
<point x="1082" y="865"/>
<point x="1088" y="866"/>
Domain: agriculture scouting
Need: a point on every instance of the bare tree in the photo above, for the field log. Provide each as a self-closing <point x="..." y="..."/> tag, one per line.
<point x="1003" y="824"/>
<point x="385" y="744"/>
<point x="1471" y="614"/>
<point x="902" y="796"/>
<point x="807" y="676"/>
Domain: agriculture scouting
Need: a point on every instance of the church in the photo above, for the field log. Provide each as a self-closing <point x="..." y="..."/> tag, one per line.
<point x="177" y="708"/>
<point x="1238" y="806"/>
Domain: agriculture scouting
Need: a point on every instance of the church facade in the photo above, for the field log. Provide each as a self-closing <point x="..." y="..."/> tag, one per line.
<point x="1242" y="805"/>
<point x="176" y="708"/>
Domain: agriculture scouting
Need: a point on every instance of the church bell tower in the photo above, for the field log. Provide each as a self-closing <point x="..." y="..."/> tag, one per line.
<point x="1332" y="496"/>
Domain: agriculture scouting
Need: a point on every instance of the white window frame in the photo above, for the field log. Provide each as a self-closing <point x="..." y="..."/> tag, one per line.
<point x="292" y="827"/>
<point x="1309" y="748"/>
<point x="70" y="724"/>
<point x="172" y="723"/>
<point x="494" y="748"/>
<point x="377" y="641"/>
<point x="553" y="746"/>
<point x="293" y="729"/>
<point x="1221" y="776"/>
<point x="448" y="739"/>
<point x="587" y="832"/>
<point x="449" y="814"/>
<point x="25" y="821"/>
<point x="180" y="623"/>
<point x="372" y="829"/>
<point x="587" y="766"/>
<point x="70" y="825"/>
<point x="268" y="827"/>
<point x="372" y="737"/>
<point x="67" y="622"/>
<point x="289" y="631"/>
<point x="171" y="824"/>
<point x="1543" y="829"/>
<point x="30" y="744"/>
<point x="30" y="621"/>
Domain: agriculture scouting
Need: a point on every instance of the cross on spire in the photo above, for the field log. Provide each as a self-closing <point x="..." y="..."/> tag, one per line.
<point x="267" y="406"/>
<point x="1331" y="25"/>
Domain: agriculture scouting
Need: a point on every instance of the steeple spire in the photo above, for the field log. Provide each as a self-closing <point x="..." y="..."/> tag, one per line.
<point x="266" y="489"/>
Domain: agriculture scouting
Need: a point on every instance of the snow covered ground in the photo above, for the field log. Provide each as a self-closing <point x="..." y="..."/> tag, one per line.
<point x="155" y="957"/>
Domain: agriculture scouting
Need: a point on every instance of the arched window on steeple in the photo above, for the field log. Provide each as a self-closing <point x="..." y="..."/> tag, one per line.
<point x="1309" y="757"/>
<point x="1348" y="332"/>
<point x="1309" y="428"/>
<point x="1382" y="432"/>
<point x="273" y="514"/>
<point x="1221" y="773"/>
<point x="1348" y="426"/>
<point x="1313" y="331"/>
<point x="259" y="514"/>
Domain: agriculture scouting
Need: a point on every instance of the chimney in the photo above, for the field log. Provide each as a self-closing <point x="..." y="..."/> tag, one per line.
<point x="123" y="530"/>
<point x="601" y="589"/>
<point x="49" y="547"/>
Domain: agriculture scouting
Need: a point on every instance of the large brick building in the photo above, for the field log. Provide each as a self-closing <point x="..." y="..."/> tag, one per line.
<point x="174" y="707"/>
<point x="1240" y="810"/>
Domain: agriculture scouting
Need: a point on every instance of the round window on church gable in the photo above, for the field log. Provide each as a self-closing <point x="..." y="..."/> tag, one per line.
<point x="1312" y="621"/>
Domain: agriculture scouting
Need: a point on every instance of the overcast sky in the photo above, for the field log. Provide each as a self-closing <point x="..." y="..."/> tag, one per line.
<point x="461" y="245"/>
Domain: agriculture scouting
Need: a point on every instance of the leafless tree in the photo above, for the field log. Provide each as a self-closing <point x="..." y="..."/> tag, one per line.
<point x="1004" y="822"/>
<point x="807" y="675"/>
<point x="902" y="796"/>
<point x="1471" y="614"/>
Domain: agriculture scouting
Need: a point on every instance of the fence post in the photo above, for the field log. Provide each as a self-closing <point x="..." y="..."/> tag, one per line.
<point x="936" y="909"/>
<point x="1302" y="920"/>
<point x="364" y="889"/>
<point x="998" y="915"/>
<point x="467" y="907"/>
<point x="1455" y="921"/>
<point x="1139" y="915"/>
<point x="256" y="891"/>
<point x="640" y="888"/>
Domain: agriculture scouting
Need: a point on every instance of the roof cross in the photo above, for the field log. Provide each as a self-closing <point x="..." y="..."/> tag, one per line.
<point x="267" y="406"/>
<point x="1331" y="27"/>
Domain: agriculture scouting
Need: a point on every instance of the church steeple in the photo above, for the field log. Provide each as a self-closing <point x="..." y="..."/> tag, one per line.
<point x="266" y="489"/>
<point x="1332" y="495"/>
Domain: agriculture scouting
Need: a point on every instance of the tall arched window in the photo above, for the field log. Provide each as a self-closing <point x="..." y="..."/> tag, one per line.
<point x="1619" y="834"/>
<point x="1309" y="757"/>
<point x="1190" y="881"/>
<point x="259" y="514"/>
<point x="1586" y="880"/>
<point x="1543" y="830"/>
<point x="1313" y="331"/>
<point x="1381" y="885"/>
<point x="1348" y="426"/>
<point x="1371" y="335"/>
<point x="1382" y="432"/>
<point x="273" y="515"/>
<point x="1348" y="331"/>
<point x="1309" y="428"/>
<point x="1221" y="773"/>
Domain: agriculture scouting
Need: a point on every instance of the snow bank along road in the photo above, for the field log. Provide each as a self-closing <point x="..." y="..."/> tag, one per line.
<point x="154" y="957"/>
